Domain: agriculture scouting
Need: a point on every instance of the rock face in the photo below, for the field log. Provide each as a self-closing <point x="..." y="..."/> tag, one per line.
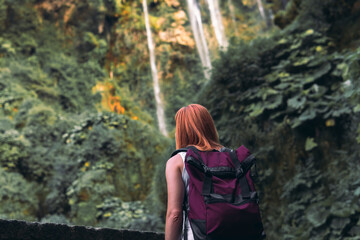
<point x="177" y="35"/>
<point x="16" y="230"/>
<point x="172" y="3"/>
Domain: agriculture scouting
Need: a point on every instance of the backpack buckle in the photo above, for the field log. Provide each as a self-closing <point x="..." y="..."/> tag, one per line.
<point x="207" y="170"/>
<point x="239" y="172"/>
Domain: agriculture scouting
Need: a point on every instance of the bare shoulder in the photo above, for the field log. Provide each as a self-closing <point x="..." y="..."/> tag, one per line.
<point x="174" y="163"/>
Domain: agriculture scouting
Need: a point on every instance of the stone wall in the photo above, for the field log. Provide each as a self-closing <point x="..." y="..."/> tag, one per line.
<point x="21" y="230"/>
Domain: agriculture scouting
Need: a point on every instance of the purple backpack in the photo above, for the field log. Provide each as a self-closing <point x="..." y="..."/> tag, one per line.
<point x="223" y="203"/>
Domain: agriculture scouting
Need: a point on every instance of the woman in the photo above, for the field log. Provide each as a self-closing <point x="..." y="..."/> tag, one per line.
<point x="194" y="126"/>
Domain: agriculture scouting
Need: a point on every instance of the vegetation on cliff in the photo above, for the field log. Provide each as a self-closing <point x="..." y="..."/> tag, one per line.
<point x="294" y="100"/>
<point x="72" y="137"/>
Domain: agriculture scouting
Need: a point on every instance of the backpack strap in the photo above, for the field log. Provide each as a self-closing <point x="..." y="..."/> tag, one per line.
<point x="241" y="170"/>
<point x="207" y="185"/>
<point x="238" y="166"/>
<point x="243" y="167"/>
<point x="179" y="150"/>
<point x="185" y="149"/>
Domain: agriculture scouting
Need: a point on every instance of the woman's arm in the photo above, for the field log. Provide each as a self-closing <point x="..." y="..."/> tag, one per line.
<point x="175" y="189"/>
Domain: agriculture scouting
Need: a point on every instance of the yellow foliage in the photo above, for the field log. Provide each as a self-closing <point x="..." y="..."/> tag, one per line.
<point x="118" y="3"/>
<point x="330" y="122"/>
<point x="69" y="12"/>
<point x="71" y="201"/>
<point x="10" y="164"/>
<point x="319" y="48"/>
<point x="100" y="87"/>
<point x="302" y="62"/>
<point x="249" y="3"/>
<point x="284" y="74"/>
<point x="87" y="164"/>
<point x="108" y="214"/>
<point x="109" y="101"/>
<point x="309" y="32"/>
<point x="282" y="41"/>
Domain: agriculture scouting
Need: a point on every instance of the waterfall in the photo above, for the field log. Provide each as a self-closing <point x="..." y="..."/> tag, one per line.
<point x="217" y="23"/>
<point x="261" y="9"/>
<point x="266" y="18"/>
<point x="159" y="105"/>
<point x="197" y="28"/>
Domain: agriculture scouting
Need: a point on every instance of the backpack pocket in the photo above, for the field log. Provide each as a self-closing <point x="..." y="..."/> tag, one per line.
<point x="198" y="227"/>
<point x="231" y="221"/>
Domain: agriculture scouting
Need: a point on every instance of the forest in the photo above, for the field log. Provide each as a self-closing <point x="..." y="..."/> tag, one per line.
<point x="89" y="90"/>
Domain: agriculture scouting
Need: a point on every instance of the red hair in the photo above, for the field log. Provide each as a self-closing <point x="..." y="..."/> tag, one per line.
<point x="195" y="126"/>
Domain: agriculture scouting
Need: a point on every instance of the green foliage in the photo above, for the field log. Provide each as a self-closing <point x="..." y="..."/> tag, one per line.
<point x="107" y="150"/>
<point x="2" y="14"/>
<point x="90" y="189"/>
<point x="6" y="47"/>
<point x="17" y="197"/>
<point x="327" y="209"/>
<point x="13" y="149"/>
<point x="55" y="219"/>
<point x="110" y="141"/>
<point x="291" y="89"/>
<point x="310" y="144"/>
<point x="99" y="46"/>
<point x="41" y="115"/>
<point x="351" y="75"/>
<point x="186" y="81"/>
<point x="36" y="121"/>
<point x="157" y="199"/>
<point x="71" y="161"/>
<point x="326" y="14"/>
<point x="294" y="100"/>
<point x="115" y="213"/>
